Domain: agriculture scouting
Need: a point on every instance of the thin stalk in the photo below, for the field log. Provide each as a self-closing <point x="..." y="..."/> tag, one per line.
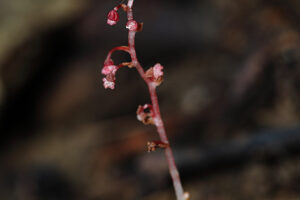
<point x="120" y="48"/>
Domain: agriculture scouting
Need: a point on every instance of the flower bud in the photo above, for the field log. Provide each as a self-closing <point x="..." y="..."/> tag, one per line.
<point x="112" y="17"/>
<point x="132" y="25"/>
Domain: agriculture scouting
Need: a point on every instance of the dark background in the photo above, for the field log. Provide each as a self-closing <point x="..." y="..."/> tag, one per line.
<point x="230" y="100"/>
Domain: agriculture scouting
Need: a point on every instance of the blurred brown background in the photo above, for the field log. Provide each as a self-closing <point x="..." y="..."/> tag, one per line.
<point x="230" y="100"/>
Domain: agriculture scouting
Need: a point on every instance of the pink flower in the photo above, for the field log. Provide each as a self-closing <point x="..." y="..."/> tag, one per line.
<point x="107" y="69"/>
<point x="157" y="71"/>
<point x="155" y="74"/>
<point x="108" y="83"/>
<point x="132" y="25"/>
<point x="112" y="17"/>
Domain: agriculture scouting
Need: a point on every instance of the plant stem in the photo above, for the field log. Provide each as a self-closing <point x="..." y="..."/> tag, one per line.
<point x="156" y="111"/>
<point x="120" y="48"/>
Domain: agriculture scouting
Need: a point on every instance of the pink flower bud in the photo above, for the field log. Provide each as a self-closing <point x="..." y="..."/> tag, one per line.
<point x="112" y="17"/>
<point x="132" y="25"/>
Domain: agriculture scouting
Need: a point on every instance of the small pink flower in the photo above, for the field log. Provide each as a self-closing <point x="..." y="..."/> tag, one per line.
<point x="155" y="74"/>
<point x="157" y="71"/>
<point x="108" y="83"/>
<point x="132" y="25"/>
<point x="107" y="69"/>
<point x="112" y="17"/>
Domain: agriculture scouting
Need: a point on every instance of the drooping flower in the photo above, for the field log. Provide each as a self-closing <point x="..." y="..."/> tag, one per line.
<point x="109" y="70"/>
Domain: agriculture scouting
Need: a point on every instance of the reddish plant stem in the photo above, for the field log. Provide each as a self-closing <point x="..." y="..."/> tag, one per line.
<point x="156" y="111"/>
<point x="120" y="48"/>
